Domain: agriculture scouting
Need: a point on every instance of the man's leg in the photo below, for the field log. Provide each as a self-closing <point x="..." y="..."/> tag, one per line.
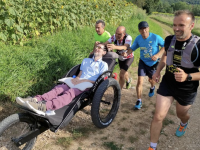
<point x="152" y="88"/>
<point x="62" y="100"/>
<point x="122" y="76"/>
<point x="139" y="86"/>
<point x="163" y="104"/>
<point x="57" y="90"/>
<point x="182" y="113"/>
<point x="152" y="82"/>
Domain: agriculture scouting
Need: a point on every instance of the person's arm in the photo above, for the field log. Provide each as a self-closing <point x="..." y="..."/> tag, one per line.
<point x="78" y="81"/>
<point x="122" y="47"/>
<point x="156" y="76"/>
<point x="95" y="44"/>
<point x="159" y="54"/>
<point x="181" y="76"/>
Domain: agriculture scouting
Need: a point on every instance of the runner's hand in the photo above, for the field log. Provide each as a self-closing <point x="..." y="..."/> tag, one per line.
<point x="154" y="57"/>
<point x="156" y="77"/>
<point x="110" y="46"/>
<point x="180" y="76"/>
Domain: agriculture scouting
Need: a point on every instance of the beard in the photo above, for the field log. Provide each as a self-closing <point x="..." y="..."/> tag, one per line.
<point x="179" y="35"/>
<point x="96" y="54"/>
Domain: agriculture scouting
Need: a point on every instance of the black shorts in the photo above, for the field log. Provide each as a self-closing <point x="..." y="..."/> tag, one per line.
<point x="126" y="63"/>
<point x="182" y="98"/>
<point x="144" y="70"/>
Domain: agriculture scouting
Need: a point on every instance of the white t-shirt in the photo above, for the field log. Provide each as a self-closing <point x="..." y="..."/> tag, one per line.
<point x="128" y="41"/>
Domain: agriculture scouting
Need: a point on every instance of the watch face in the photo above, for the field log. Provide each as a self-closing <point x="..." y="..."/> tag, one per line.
<point x="189" y="77"/>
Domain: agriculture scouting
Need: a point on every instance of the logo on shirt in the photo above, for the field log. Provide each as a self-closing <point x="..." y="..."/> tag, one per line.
<point x="150" y="41"/>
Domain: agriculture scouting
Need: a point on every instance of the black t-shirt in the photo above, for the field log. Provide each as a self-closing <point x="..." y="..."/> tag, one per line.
<point x="185" y="87"/>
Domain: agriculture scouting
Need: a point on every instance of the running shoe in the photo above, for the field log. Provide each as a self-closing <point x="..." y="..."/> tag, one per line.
<point x="21" y="101"/>
<point x="138" y="105"/>
<point x="181" y="130"/>
<point x="115" y="75"/>
<point x="38" y="107"/>
<point x="128" y="84"/>
<point x="150" y="148"/>
<point x="151" y="92"/>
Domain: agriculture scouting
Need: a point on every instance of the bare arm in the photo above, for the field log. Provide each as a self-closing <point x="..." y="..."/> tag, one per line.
<point x="122" y="47"/>
<point x="156" y="77"/>
<point x="181" y="76"/>
<point x="77" y="79"/>
<point x="159" y="54"/>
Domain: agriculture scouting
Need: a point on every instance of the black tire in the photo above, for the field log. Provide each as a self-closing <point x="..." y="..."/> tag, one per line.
<point x="105" y="103"/>
<point x="16" y="126"/>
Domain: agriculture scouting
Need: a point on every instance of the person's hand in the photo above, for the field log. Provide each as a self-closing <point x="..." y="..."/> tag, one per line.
<point x="180" y="76"/>
<point x="75" y="80"/>
<point x="124" y="54"/>
<point x="154" y="57"/>
<point x="110" y="47"/>
<point x="156" y="76"/>
<point x="96" y="43"/>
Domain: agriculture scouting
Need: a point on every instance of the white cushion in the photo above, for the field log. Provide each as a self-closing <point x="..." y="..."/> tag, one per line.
<point x="81" y="86"/>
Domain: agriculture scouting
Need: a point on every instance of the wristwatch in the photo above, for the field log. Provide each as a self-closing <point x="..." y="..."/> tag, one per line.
<point x="189" y="77"/>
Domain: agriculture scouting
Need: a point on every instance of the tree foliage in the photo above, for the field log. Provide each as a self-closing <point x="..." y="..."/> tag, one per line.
<point x="168" y="6"/>
<point x="148" y="5"/>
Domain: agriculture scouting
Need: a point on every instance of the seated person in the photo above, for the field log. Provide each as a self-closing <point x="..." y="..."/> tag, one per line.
<point x="61" y="95"/>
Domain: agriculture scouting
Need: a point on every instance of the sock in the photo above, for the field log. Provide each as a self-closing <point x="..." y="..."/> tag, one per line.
<point x="183" y="124"/>
<point x="153" y="87"/>
<point x="128" y="80"/>
<point x="153" y="145"/>
<point x="139" y="100"/>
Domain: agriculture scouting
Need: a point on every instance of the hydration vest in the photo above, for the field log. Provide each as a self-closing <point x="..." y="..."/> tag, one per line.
<point x="123" y="42"/>
<point x="186" y="52"/>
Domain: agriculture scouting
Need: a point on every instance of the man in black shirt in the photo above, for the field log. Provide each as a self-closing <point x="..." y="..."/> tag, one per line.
<point x="181" y="79"/>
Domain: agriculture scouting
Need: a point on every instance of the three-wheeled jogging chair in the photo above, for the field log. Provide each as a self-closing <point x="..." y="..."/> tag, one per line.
<point x="19" y="131"/>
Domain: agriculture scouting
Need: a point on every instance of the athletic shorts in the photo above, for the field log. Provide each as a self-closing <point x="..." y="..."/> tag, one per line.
<point x="183" y="99"/>
<point x="126" y="63"/>
<point x="144" y="70"/>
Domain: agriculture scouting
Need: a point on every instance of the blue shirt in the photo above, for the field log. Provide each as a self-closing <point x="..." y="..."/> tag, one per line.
<point x="92" y="69"/>
<point x="148" y="47"/>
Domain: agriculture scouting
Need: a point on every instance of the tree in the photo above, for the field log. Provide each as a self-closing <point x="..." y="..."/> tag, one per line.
<point x="181" y="6"/>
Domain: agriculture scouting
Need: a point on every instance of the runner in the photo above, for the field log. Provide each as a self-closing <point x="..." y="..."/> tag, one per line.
<point x="149" y="54"/>
<point x="122" y="42"/>
<point x="181" y="79"/>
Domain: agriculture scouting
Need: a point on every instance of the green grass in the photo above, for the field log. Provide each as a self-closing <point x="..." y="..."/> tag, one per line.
<point x="168" y="20"/>
<point x="35" y="67"/>
<point x="112" y="146"/>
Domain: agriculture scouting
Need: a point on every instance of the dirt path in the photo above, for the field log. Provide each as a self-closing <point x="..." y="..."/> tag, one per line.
<point x="129" y="131"/>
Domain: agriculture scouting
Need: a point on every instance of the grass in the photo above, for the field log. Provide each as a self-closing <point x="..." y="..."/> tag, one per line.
<point x="133" y="139"/>
<point x="36" y="67"/>
<point x="112" y="146"/>
<point x="64" y="141"/>
<point x="168" y="20"/>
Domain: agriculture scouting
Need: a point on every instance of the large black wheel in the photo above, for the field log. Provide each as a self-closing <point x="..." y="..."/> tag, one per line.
<point x="105" y="103"/>
<point x="15" y="126"/>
